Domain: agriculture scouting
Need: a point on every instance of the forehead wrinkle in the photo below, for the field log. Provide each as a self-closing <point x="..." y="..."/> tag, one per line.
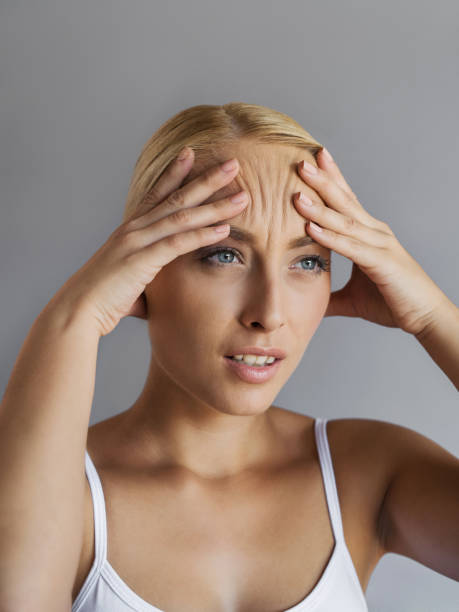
<point x="268" y="173"/>
<point x="268" y="206"/>
<point x="273" y="196"/>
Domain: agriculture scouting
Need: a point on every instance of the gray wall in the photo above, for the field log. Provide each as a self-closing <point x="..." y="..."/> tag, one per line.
<point x="85" y="84"/>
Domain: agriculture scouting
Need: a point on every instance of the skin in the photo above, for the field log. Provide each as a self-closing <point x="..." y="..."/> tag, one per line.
<point x="192" y="410"/>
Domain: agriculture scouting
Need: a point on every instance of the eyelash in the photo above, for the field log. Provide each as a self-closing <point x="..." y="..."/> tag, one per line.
<point x="323" y="263"/>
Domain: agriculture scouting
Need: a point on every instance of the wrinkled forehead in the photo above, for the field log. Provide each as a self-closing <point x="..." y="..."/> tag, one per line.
<point x="269" y="173"/>
<point x="271" y="163"/>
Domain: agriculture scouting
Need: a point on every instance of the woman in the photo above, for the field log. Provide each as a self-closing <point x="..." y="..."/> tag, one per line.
<point x="203" y="495"/>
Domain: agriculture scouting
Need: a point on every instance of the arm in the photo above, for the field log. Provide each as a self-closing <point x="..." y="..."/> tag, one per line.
<point x="420" y="510"/>
<point x="441" y="340"/>
<point x="44" y="419"/>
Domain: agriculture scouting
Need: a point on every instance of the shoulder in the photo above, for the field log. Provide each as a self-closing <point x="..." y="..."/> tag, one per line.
<point x="353" y="437"/>
<point x="382" y="439"/>
<point x="375" y="446"/>
<point x="362" y="450"/>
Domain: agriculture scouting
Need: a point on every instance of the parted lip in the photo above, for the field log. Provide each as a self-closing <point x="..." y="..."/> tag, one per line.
<point x="258" y="350"/>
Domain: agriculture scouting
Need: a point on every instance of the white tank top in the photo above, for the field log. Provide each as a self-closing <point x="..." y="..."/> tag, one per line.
<point x="337" y="589"/>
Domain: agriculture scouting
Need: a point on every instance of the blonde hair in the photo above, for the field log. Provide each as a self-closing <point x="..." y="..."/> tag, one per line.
<point x="206" y="128"/>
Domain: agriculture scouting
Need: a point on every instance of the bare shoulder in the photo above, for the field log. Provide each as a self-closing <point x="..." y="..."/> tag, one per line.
<point x="368" y="449"/>
<point x="353" y="437"/>
<point x="385" y="441"/>
<point x="362" y="450"/>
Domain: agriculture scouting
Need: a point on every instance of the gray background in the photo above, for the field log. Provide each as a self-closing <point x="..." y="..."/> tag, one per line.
<point x="85" y="84"/>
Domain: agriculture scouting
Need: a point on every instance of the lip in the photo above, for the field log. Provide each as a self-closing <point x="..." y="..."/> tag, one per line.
<point x="252" y="374"/>
<point x="258" y="350"/>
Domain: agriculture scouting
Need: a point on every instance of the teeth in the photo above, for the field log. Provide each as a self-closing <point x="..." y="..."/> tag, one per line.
<point x="258" y="360"/>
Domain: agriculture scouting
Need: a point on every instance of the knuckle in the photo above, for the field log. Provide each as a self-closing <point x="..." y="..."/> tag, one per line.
<point x="350" y="224"/>
<point x="385" y="228"/>
<point x="153" y="194"/>
<point x="151" y="198"/>
<point x="390" y="242"/>
<point x="183" y="216"/>
<point x="129" y="240"/>
<point x="176" y="198"/>
<point x="129" y="226"/>
<point x="175" y="241"/>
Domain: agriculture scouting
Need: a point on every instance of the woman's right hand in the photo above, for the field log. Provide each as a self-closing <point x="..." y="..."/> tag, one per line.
<point x="169" y="223"/>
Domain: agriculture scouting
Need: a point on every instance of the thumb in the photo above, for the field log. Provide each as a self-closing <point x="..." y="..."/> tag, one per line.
<point x="339" y="304"/>
<point x="139" y="309"/>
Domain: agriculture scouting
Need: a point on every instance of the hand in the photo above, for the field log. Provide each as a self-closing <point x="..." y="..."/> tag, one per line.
<point x="169" y="222"/>
<point x="387" y="285"/>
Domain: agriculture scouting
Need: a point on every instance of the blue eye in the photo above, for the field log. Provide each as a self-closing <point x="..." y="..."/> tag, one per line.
<point x="217" y="252"/>
<point x="321" y="264"/>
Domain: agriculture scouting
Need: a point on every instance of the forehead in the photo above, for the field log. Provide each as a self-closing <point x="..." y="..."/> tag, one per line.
<point x="272" y="161"/>
<point x="266" y="171"/>
<point x="269" y="174"/>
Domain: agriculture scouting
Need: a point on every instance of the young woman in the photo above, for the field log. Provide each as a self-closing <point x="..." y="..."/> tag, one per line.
<point x="203" y="495"/>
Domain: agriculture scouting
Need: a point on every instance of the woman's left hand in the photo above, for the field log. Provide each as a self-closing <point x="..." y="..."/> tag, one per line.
<point x="387" y="285"/>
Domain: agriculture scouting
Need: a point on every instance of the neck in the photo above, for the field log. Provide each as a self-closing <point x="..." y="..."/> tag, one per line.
<point x="168" y="426"/>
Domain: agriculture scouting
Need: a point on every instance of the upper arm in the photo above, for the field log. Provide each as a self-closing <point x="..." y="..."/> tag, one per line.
<point x="420" y="510"/>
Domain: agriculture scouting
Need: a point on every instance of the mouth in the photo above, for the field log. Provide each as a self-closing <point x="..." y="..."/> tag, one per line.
<point x="252" y="365"/>
<point x="252" y="373"/>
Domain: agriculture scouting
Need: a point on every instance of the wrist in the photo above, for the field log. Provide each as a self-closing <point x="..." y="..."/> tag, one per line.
<point x="443" y="320"/>
<point x="63" y="313"/>
<point x="440" y="338"/>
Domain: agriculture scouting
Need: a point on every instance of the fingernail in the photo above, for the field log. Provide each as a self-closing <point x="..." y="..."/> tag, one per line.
<point x="229" y="165"/>
<point x="239" y="197"/>
<point x="309" y="168"/>
<point x="304" y="199"/>
<point x="327" y="155"/>
<point x="315" y="227"/>
<point x="183" y="154"/>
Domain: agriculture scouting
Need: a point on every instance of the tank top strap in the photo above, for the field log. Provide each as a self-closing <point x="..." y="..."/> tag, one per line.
<point x="100" y="518"/>
<point x="326" y="466"/>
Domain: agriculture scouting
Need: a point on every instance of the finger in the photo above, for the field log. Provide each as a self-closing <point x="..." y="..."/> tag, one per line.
<point x="204" y="185"/>
<point x="175" y="244"/>
<point x="184" y="219"/>
<point x="195" y="192"/>
<point x="334" y="196"/>
<point x="170" y="180"/>
<point x="327" y="163"/>
<point x="366" y="255"/>
<point x="338" y="222"/>
<point x="340" y="304"/>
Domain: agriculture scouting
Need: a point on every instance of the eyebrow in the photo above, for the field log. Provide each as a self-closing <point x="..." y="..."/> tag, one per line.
<point x="241" y="235"/>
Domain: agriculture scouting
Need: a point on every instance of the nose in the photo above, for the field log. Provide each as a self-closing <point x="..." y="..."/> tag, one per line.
<point x="265" y="304"/>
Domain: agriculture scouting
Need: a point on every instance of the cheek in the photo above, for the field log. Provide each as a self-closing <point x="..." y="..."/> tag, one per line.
<point x="307" y="311"/>
<point x="187" y="319"/>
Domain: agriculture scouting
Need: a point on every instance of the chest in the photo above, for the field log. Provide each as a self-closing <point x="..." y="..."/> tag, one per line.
<point x="258" y="543"/>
